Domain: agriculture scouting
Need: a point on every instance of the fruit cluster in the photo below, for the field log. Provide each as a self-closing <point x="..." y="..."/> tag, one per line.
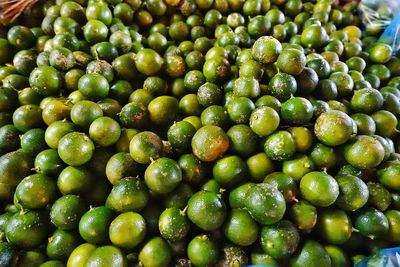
<point x="196" y="133"/>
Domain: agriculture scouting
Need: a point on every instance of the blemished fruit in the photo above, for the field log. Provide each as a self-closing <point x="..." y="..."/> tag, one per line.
<point x="196" y="133"/>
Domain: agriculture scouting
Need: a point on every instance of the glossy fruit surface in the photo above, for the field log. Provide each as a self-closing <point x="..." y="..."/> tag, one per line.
<point x="197" y="133"/>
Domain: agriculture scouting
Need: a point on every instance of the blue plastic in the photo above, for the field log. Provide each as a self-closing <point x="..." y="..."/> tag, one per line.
<point x="391" y="35"/>
<point x="388" y="257"/>
<point x="390" y="24"/>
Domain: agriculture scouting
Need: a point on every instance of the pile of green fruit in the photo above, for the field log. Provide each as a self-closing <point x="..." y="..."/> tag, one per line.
<point x="196" y="133"/>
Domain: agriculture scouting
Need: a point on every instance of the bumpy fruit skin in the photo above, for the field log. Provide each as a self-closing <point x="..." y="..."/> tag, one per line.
<point x="131" y="222"/>
<point x="75" y="149"/>
<point x="46" y="80"/>
<point x="311" y="253"/>
<point x="335" y="226"/>
<point x="156" y="252"/>
<point x="206" y="210"/>
<point x="264" y="121"/>
<point x="94" y="225"/>
<point x="32" y="224"/>
<point x="209" y="143"/>
<point x="163" y="175"/>
<point x="107" y="256"/>
<point x="145" y="146"/>
<point x="334" y="128"/>
<point x="235" y="226"/>
<point x="280" y="146"/>
<point x="319" y="188"/>
<point x="197" y="133"/>
<point x="173" y="224"/>
<point x="266" y="49"/>
<point x="148" y="62"/>
<point x="280" y="240"/>
<point x="364" y="152"/>
<point x="202" y="251"/>
<point x="389" y="175"/>
<point x="371" y="223"/>
<point x="264" y="197"/>
<point x="353" y="192"/>
<point x="291" y="61"/>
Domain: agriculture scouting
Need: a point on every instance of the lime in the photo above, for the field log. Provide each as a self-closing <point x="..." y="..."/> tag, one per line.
<point x="206" y="210"/>
<point x="246" y="87"/>
<point x="61" y="243"/>
<point x="365" y="124"/>
<point x="284" y="183"/>
<point x="338" y="256"/>
<point x="334" y="226"/>
<point x="353" y="192"/>
<point x="229" y="171"/>
<point x="93" y="86"/>
<point x="314" y="36"/>
<point x="379" y="196"/>
<point x="259" y="165"/>
<point x="280" y="146"/>
<point x="380" y="53"/>
<point x="107" y="256"/>
<point x="173" y="224"/>
<point x="364" y="152"/>
<point x="393" y="217"/>
<point x="75" y="148"/>
<point x="262" y="197"/>
<point x="243" y="141"/>
<point x="280" y="240"/>
<point x="266" y="49"/>
<point x="75" y="180"/>
<point x="45" y="80"/>
<point x="343" y="81"/>
<point x="21" y="225"/>
<point x="298" y="166"/>
<point x="334" y="128"/>
<point x="311" y="254"/>
<point x="35" y="191"/>
<point x="259" y="118"/>
<point x="156" y="252"/>
<point x="105" y="131"/>
<point x="163" y="110"/>
<point x="240" y="228"/>
<point x="304" y="215"/>
<point x="84" y="112"/>
<point x="297" y="110"/>
<point x="80" y="255"/>
<point x="237" y="196"/>
<point x="319" y="188"/>
<point x="128" y="194"/>
<point x="386" y="123"/>
<point x="291" y="61"/>
<point x="148" y="62"/>
<point x="128" y="222"/>
<point x="180" y="135"/>
<point x="371" y="223"/>
<point x="282" y="86"/>
<point x="48" y="162"/>
<point x="56" y="131"/>
<point x="388" y="175"/>
<point x="163" y="175"/>
<point x="259" y="257"/>
<point x="367" y="100"/>
<point x="94" y="224"/>
<point x="209" y="143"/>
<point x="66" y="211"/>
<point x="145" y="146"/>
<point x="202" y="251"/>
